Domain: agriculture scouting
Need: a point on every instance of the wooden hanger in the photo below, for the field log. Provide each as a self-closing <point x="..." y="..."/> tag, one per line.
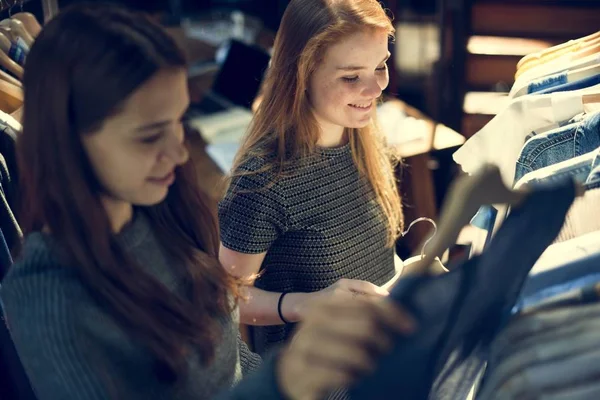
<point x="5" y="46"/>
<point x="558" y="48"/>
<point x="591" y="98"/>
<point x="575" y="50"/>
<point x="15" y="30"/>
<point x="466" y="195"/>
<point x="588" y="51"/>
<point x="10" y="79"/>
<point x="18" y="114"/>
<point x="5" y="43"/>
<point x="11" y="97"/>
<point x="9" y="65"/>
<point x="31" y="24"/>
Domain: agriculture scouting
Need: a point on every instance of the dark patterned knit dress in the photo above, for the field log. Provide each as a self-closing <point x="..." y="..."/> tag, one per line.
<point x="318" y="225"/>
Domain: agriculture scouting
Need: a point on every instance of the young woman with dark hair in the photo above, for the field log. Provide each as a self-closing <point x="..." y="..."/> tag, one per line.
<point x="118" y="292"/>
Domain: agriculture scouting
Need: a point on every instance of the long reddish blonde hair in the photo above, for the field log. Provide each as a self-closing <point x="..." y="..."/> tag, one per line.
<point x="284" y="128"/>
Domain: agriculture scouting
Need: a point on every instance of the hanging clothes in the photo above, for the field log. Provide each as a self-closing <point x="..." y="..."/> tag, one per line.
<point x="462" y="309"/>
<point x="501" y="140"/>
<point x="561" y="144"/>
<point x="550" y="354"/>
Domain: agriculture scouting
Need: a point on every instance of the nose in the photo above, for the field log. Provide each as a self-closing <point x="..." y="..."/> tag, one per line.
<point x="372" y="88"/>
<point x="175" y="150"/>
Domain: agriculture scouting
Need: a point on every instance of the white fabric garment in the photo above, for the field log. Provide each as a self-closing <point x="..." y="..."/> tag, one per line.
<point x="501" y="140"/>
<point x="582" y="217"/>
<point x="569" y="251"/>
<point x="556" y="66"/>
<point x="10" y="121"/>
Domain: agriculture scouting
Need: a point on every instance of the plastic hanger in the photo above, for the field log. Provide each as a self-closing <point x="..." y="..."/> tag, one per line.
<point x="406" y="268"/>
<point x="437" y="266"/>
<point x="466" y="195"/>
<point x="31" y="24"/>
<point x="11" y="97"/>
<point x="561" y="48"/>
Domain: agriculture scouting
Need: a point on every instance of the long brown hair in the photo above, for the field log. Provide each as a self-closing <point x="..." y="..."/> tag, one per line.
<point x="284" y="128"/>
<point x="81" y="68"/>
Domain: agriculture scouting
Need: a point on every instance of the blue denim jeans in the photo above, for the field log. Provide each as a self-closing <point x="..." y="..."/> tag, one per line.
<point x="559" y="145"/>
<point x="459" y="312"/>
<point x="579" y="169"/>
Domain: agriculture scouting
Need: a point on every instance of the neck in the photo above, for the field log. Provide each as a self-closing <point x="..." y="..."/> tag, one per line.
<point x="332" y="135"/>
<point x="119" y="213"/>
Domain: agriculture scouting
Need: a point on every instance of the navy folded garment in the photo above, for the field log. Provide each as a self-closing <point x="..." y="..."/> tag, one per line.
<point x="463" y="309"/>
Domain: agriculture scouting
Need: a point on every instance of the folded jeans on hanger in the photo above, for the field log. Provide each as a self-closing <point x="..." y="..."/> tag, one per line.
<point x="559" y="145"/>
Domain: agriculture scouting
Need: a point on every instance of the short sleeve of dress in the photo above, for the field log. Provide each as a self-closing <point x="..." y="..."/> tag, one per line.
<point x="252" y="215"/>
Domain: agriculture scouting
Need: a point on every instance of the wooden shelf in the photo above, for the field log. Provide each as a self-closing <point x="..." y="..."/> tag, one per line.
<point x="538" y="20"/>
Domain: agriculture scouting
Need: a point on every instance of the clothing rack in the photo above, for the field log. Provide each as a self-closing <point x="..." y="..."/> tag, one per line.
<point x="35" y="7"/>
<point x="50" y="8"/>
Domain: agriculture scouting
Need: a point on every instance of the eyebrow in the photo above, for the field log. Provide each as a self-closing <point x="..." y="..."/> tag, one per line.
<point x="356" y="68"/>
<point x="157" y="125"/>
<point x="153" y="126"/>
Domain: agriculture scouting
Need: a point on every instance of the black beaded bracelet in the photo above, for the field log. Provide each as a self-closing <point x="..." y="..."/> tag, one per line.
<point x="285" y="321"/>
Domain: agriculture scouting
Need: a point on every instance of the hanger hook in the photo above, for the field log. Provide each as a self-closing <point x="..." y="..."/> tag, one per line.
<point x="422" y="219"/>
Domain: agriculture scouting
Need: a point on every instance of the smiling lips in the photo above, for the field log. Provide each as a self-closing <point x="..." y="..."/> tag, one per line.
<point x="362" y="106"/>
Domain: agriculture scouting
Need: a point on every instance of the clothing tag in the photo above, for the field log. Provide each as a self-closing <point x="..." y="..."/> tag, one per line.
<point x="18" y="51"/>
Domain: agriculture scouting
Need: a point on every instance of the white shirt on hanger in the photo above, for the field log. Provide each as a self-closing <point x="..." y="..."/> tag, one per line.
<point x="501" y="140"/>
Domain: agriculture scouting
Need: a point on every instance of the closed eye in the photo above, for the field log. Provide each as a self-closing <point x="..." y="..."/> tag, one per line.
<point x="350" y="79"/>
<point x="151" y="139"/>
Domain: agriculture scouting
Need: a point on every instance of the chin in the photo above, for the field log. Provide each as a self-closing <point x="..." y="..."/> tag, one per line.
<point x="359" y="124"/>
<point x="151" y="199"/>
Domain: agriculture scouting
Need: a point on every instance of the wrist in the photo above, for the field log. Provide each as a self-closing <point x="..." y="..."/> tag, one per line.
<point x="291" y="306"/>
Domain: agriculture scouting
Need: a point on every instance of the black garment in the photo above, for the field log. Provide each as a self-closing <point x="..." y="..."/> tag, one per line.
<point x="460" y="311"/>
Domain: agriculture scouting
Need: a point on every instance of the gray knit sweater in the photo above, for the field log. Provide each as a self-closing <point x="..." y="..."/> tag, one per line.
<point x="72" y="348"/>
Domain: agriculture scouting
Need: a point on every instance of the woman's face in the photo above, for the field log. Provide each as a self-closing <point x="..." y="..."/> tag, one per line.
<point x="350" y="77"/>
<point x="135" y="152"/>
